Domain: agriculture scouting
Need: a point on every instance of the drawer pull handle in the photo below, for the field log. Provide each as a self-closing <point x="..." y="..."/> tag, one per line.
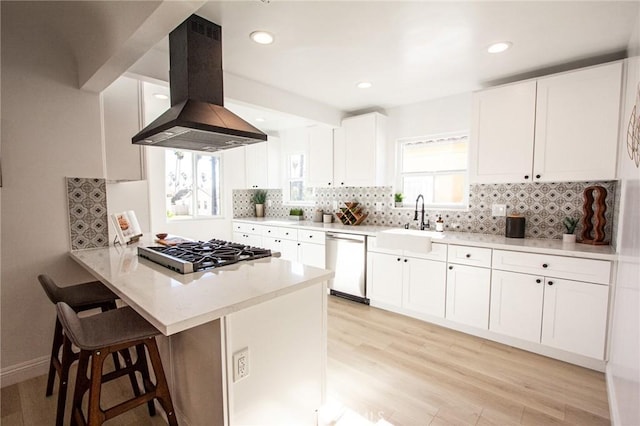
<point x="468" y="255"/>
<point x="538" y="176"/>
<point x="544" y="265"/>
<point x="550" y="282"/>
<point x="310" y="236"/>
<point x="398" y="259"/>
<point x="405" y="261"/>
<point x="526" y="176"/>
<point x="450" y="267"/>
<point x="538" y="280"/>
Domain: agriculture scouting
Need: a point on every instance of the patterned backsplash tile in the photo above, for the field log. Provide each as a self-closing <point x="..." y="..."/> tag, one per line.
<point x="544" y="205"/>
<point x="87" y="199"/>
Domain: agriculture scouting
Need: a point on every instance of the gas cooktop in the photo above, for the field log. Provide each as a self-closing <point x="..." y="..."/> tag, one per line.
<point x="196" y="256"/>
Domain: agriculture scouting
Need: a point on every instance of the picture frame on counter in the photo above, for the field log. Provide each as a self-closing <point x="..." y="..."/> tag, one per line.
<point x="127" y="227"/>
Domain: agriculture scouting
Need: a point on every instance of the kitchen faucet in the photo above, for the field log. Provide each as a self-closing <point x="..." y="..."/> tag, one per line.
<point x="422" y="224"/>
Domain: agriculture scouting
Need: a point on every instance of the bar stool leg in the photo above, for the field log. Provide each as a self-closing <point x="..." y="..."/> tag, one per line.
<point x="55" y="353"/>
<point x="162" y="387"/>
<point x="65" y="366"/>
<point x="146" y="377"/>
<point x="81" y="387"/>
<point x="95" y="415"/>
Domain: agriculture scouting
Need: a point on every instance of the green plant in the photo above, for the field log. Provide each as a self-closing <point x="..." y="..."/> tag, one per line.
<point x="296" y="212"/>
<point x="259" y="196"/>
<point x="570" y="224"/>
<point x="398" y="197"/>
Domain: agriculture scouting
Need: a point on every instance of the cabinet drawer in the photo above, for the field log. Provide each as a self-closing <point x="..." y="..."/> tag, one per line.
<point x="467" y="255"/>
<point x="438" y="252"/>
<point x="589" y="270"/>
<point x="247" y="228"/>
<point x="280" y="232"/>
<point x="316" y="237"/>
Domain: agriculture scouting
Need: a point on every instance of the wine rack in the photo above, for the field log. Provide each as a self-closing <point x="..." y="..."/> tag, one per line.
<point x="352" y="214"/>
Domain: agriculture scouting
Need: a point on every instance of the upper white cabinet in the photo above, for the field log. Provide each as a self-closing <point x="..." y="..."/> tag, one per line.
<point x="262" y="164"/>
<point x="577" y="118"/>
<point x="359" y="151"/>
<point x="320" y="156"/>
<point x="122" y="120"/>
<point x="503" y="130"/>
<point x="558" y="128"/>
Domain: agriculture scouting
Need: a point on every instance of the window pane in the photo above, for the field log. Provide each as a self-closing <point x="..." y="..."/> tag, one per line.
<point x="179" y="170"/>
<point x="296" y="166"/>
<point x="449" y="189"/>
<point x="208" y="195"/>
<point x="434" y="156"/>
<point x="416" y="185"/>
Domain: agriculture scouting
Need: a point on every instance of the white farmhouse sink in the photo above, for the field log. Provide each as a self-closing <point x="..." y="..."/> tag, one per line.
<point x="406" y="239"/>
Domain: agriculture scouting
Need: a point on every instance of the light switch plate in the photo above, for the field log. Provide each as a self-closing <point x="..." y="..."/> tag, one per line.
<point x="498" y="210"/>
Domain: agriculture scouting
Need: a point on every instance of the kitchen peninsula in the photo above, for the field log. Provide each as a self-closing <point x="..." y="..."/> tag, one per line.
<point x="271" y="310"/>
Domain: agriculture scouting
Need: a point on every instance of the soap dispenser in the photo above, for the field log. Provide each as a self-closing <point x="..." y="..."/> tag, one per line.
<point x="440" y="224"/>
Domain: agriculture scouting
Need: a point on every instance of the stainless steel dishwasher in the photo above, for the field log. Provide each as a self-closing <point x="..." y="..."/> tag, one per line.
<point x="347" y="257"/>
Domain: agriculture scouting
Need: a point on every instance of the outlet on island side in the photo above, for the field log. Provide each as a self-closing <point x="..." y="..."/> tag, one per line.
<point x="240" y="364"/>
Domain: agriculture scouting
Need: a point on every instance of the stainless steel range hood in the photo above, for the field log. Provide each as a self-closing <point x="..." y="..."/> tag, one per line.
<point x="197" y="119"/>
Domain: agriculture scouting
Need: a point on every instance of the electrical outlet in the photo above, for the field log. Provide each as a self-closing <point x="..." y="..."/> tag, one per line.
<point x="240" y="364"/>
<point x="335" y="205"/>
<point x="498" y="210"/>
<point x="269" y="202"/>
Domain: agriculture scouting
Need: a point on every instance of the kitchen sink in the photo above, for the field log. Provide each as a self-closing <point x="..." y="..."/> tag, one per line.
<point x="406" y="239"/>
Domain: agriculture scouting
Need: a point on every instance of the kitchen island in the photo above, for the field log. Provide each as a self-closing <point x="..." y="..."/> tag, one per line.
<point x="270" y="310"/>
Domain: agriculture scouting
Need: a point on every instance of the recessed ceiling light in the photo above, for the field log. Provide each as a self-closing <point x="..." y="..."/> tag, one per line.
<point x="160" y="96"/>
<point x="499" y="47"/>
<point x="261" y="37"/>
<point x="260" y="119"/>
<point x="364" y="85"/>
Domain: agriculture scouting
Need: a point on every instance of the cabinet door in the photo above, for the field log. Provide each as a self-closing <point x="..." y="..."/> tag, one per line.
<point x="121" y="110"/>
<point x="502" y="134"/>
<point x="577" y="125"/>
<point x="364" y="149"/>
<point x="256" y="165"/>
<point x="424" y="283"/>
<point x="274" y="158"/>
<point x="248" y="239"/>
<point x="320" y="156"/>
<point x="312" y="254"/>
<point x="575" y="316"/>
<point x="384" y="283"/>
<point x="339" y="157"/>
<point x="516" y="305"/>
<point x="468" y="295"/>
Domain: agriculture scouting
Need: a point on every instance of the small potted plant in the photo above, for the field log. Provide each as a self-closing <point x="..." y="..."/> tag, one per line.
<point x="570" y="224"/>
<point x="258" y="198"/>
<point x="398" y="197"/>
<point x="296" y="214"/>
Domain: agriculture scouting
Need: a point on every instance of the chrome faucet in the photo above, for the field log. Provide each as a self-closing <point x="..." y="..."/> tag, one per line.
<point x="422" y="224"/>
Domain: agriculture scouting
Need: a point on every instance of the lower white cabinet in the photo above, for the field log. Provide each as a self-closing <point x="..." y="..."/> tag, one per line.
<point x="468" y="289"/>
<point x="415" y="285"/>
<point x="516" y="305"/>
<point x="288" y="249"/>
<point x="246" y="233"/>
<point x="575" y="316"/>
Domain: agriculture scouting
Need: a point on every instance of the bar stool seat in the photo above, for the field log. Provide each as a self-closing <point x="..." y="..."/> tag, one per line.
<point x="103" y="334"/>
<point x="80" y="297"/>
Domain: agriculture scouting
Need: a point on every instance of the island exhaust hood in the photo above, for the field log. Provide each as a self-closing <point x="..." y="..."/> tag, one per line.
<point x="197" y="119"/>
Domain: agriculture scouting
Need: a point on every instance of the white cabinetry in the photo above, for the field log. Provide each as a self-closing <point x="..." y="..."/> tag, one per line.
<point x="262" y="164"/>
<point x="282" y="240"/>
<point x="311" y="248"/>
<point x="468" y="287"/>
<point x="359" y="151"/>
<point x="122" y="120"/>
<point x="411" y="283"/>
<point x="247" y="233"/>
<point x="320" y="156"/>
<point x="558" y="128"/>
<point x="536" y="297"/>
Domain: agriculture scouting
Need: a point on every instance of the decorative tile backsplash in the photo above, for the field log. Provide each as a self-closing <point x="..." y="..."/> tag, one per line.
<point x="544" y="205"/>
<point x="87" y="198"/>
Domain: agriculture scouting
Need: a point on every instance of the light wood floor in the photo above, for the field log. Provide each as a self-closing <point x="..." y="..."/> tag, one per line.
<point x="383" y="365"/>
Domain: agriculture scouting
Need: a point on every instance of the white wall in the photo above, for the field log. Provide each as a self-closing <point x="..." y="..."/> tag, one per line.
<point x="623" y="369"/>
<point x="445" y="115"/>
<point x="50" y="130"/>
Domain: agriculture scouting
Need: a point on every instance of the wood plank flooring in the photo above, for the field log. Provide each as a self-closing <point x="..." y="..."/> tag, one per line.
<point x="385" y="366"/>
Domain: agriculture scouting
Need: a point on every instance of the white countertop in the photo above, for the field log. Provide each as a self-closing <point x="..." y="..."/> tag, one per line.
<point x="173" y="302"/>
<point x="529" y="245"/>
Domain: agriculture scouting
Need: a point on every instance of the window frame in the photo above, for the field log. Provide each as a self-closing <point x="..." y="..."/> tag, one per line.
<point x="286" y="190"/>
<point x="194" y="187"/>
<point x="438" y="138"/>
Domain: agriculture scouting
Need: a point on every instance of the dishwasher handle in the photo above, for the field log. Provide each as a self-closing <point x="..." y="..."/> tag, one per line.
<point x="360" y="239"/>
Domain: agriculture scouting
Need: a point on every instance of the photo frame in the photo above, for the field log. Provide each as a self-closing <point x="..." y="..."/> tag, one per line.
<point x="127" y="227"/>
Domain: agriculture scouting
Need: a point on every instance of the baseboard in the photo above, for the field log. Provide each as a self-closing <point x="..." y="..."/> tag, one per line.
<point x="24" y="371"/>
<point x="611" y="396"/>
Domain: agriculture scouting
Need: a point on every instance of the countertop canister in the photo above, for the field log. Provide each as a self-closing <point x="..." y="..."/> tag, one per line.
<point x="514" y="226"/>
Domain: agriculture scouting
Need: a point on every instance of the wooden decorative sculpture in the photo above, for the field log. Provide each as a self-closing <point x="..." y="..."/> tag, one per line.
<point x="593" y="230"/>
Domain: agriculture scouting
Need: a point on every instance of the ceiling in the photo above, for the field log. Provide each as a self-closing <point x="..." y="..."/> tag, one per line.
<point x="410" y="51"/>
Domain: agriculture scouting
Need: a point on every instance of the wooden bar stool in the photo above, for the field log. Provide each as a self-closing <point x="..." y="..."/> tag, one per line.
<point x="80" y="297"/>
<point x="103" y="334"/>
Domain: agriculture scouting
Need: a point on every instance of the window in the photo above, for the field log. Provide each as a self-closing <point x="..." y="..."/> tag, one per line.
<point x="192" y="184"/>
<point x="297" y="189"/>
<point x="435" y="167"/>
